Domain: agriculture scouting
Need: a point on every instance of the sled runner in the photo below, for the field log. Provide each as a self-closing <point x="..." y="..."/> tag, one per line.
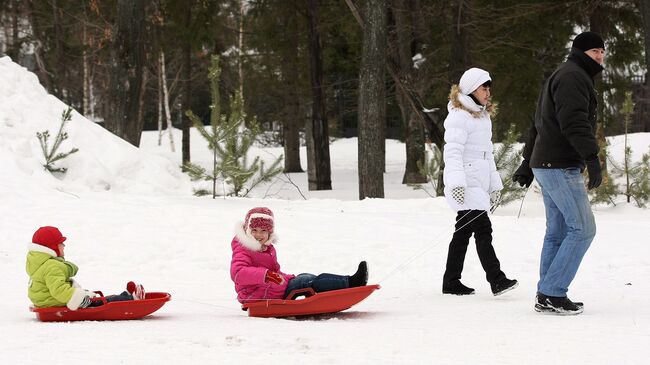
<point x="312" y="303"/>
<point x="113" y="311"/>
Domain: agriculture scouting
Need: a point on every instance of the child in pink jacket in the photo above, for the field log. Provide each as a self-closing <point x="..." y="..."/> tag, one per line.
<point x="255" y="269"/>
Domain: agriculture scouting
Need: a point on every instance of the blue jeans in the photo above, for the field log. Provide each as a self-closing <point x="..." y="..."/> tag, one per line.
<point x="124" y="296"/>
<point x="320" y="283"/>
<point x="570" y="228"/>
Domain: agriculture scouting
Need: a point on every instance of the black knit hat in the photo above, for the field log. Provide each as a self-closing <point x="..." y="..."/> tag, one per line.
<point x="588" y="40"/>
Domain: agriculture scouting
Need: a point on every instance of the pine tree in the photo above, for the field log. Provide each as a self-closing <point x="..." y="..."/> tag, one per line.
<point x="51" y="155"/>
<point x="430" y="167"/>
<point x="608" y="190"/>
<point x="637" y="184"/>
<point x="229" y="140"/>
<point x="507" y="161"/>
<point x="233" y="154"/>
<point x="640" y="186"/>
<point x="213" y="136"/>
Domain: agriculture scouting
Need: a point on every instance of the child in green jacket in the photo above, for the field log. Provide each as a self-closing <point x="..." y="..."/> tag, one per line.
<point x="50" y="275"/>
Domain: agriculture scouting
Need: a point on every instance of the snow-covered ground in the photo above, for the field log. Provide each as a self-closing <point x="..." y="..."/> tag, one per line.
<point x="130" y="215"/>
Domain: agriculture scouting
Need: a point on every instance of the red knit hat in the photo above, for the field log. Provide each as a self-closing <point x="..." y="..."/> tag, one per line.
<point x="49" y="237"/>
<point x="260" y="217"/>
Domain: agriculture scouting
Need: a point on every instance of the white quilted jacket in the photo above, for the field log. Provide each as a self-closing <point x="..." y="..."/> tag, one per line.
<point x="468" y="154"/>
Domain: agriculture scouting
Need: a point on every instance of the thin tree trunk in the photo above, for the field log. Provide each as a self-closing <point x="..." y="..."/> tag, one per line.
<point x="413" y="129"/>
<point x="127" y="77"/>
<point x="240" y="70"/>
<point x="86" y="74"/>
<point x="160" y="99"/>
<point x="372" y="99"/>
<point x="15" y="47"/>
<point x="168" y="115"/>
<point x="460" y="57"/>
<point x="187" y="95"/>
<point x="293" y="117"/>
<point x="320" y="170"/>
<point x="642" y="106"/>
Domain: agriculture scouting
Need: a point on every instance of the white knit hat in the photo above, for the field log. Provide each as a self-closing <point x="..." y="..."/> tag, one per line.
<point x="472" y="79"/>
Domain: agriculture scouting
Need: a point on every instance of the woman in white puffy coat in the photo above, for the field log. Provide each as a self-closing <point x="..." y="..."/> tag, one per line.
<point x="472" y="182"/>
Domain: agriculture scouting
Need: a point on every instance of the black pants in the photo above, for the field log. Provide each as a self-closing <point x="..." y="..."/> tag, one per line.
<point x="481" y="227"/>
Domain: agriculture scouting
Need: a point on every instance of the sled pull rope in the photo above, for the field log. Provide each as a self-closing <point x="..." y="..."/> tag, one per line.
<point x="229" y="308"/>
<point x="521" y="206"/>
<point x="427" y="248"/>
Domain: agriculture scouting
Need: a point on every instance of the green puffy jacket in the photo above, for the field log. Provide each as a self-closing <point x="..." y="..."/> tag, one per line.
<point x="50" y="283"/>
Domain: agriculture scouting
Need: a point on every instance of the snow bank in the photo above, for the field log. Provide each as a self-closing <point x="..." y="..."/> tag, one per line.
<point x="104" y="161"/>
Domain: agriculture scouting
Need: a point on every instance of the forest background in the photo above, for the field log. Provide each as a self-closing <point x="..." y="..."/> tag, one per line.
<point x="313" y="70"/>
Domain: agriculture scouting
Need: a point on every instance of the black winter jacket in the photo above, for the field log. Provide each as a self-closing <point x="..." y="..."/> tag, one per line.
<point x="563" y="134"/>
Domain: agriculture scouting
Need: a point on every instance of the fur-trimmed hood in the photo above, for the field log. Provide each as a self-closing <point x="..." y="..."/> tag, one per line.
<point x="249" y="241"/>
<point x="458" y="100"/>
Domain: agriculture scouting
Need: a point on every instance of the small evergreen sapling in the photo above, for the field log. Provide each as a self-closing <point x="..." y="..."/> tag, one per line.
<point x="229" y="140"/>
<point x="609" y="189"/>
<point x="213" y="136"/>
<point x="430" y="168"/>
<point x="52" y="155"/>
<point x="637" y="186"/>
<point x="507" y="161"/>
<point x="233" y="153"/>
<point x="640" y="186"/>
<point x="636" y="175"/>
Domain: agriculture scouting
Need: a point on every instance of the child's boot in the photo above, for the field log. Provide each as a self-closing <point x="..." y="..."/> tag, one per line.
<point x="360" y="278"/>
<point x="503" y="285"/>
<point x="136" y="290"/>
<point x="456" y="288"/>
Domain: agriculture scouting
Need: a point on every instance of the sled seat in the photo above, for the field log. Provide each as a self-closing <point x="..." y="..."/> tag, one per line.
<point x="113" y="311"/>
<point x="313" y="303"/>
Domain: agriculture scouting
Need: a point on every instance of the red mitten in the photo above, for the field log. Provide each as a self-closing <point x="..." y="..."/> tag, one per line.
<point x="272" y="276"/>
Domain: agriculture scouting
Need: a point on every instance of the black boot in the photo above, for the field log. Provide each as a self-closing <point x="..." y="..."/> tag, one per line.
<point x="503" y="286"/>
<point x="360" y="278"/>
<point x="456" y="288"/>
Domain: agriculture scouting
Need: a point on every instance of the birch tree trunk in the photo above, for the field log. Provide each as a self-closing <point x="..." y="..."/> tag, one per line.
<point x="165" y="100"/>
<point x="86" y="81"/>
<point x="372" y="99"/>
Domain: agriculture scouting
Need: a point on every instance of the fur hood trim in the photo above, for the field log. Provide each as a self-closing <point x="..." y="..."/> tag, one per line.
<point x="249" y="241"/>
<point x="38" y="248"/>
<point x="461" y="101"/>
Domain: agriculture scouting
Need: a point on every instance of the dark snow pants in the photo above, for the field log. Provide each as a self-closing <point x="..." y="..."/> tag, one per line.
<point x="478" y="223"/>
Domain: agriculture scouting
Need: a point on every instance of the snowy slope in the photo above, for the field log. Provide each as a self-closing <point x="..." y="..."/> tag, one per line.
<point x="147" y="227"/>
<point x="104" y="162"/>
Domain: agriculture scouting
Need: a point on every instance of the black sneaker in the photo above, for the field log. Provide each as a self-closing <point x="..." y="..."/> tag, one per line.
<point x="557" y="305"/>
<point x="360" y="278"/>
<point x="578" y="304"/>
<point x="456" y="288"/>
<point x="503" y="285"/>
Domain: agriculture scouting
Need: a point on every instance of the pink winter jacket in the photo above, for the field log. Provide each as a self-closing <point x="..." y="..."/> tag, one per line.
<point x="249" y="266"/>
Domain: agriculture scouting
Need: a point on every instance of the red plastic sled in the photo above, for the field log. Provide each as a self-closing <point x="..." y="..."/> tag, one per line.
<point x="113" y="311"/>
<point x="313" y="303"/>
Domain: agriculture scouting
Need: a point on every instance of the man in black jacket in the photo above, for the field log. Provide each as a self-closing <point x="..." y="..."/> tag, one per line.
<point x="560" y="144"/>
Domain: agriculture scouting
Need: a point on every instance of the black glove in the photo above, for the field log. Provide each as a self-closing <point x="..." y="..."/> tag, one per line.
<point x="524" y="175"/>
<point x="595" y="175"/>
